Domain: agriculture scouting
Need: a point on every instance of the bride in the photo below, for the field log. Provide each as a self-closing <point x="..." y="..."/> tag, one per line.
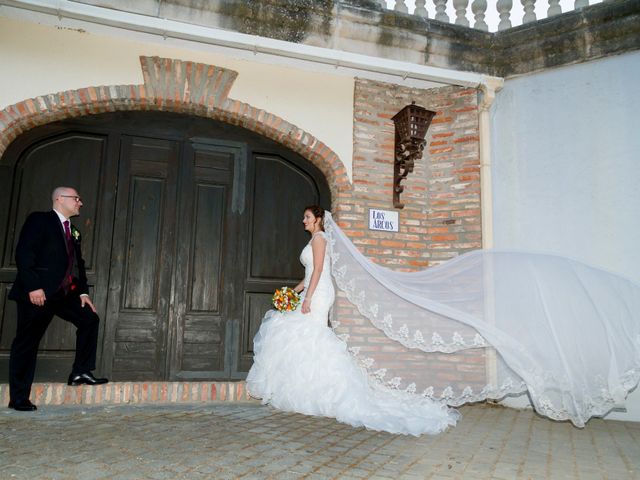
<point x="300" y="365"/>
<point x="485" y="325"/>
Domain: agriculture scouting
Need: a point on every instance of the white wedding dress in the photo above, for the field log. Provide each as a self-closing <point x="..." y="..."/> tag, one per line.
<point x="300" y="365"/>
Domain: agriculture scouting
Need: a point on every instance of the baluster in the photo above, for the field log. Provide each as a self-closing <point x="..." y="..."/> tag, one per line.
<point x="441" y="11"/>
<point x="581" y="3"/>
<point x="504" y="11"/>
<point x="554" y="8"/>
<point x="529" y="11"/>
<point x="402" y="7"/>
<point x="461" y="12"/>
<point x="479" y="7"/>
<point x="420" y="9"/>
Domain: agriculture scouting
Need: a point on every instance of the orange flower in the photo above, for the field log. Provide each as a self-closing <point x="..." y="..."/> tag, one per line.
<point x="285" y="299"/>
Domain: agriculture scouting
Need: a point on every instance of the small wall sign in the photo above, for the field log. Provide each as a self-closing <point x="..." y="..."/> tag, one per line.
<point x="383" y="220"/>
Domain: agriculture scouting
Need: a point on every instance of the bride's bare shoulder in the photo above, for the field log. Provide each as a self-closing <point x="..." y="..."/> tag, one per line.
<point x="318" y="237"/>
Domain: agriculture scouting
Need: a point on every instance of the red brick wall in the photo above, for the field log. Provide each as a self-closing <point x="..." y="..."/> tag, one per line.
<point x="441" y="217"/>
<point x="440" y="220"/>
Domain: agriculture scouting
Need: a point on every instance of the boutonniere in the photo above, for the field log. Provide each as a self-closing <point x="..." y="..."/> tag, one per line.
<point x="75" y="233"/>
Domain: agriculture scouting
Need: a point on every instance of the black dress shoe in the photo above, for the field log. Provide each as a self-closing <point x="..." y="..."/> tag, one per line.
<point x="22" y="405"/>
<point x="76" y="379"/>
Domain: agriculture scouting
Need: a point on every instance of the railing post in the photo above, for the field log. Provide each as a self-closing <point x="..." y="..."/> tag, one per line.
<point x="529" y="11"/>
<point x="554" y="8"/>
<point x="504" y="10"/>
<point x="441" y="11"/>
<point x="461" y="12"/>
<point x="402" y="7"/>
<point x="479" y="7"/>
<point x="420" y="9"/>
<point x="581" y="3"/>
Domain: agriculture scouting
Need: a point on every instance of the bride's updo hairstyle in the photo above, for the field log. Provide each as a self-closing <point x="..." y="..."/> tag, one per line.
<point x="318" y="212"/>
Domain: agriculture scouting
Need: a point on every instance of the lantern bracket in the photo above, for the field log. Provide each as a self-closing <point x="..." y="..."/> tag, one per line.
<point x="411" y="124"/>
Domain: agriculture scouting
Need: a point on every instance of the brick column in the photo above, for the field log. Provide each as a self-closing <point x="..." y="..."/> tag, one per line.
<point x="441" y="218"/>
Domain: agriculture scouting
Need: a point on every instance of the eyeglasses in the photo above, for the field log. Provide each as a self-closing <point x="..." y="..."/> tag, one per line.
<point x="75" y="197"/>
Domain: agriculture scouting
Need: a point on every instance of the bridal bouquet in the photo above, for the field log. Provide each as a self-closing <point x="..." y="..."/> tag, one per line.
<point x="286" y="299"/>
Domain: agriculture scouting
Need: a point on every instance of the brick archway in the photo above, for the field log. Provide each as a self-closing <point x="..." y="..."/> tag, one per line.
<point x="180" y="87"/>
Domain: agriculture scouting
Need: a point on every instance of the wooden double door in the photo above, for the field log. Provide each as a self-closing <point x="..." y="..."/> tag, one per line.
<point x="188" y="226"/>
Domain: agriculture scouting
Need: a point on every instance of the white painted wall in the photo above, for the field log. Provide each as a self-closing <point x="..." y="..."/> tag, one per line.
<point x="45" y="59"/>
<point x="566" y="167"/>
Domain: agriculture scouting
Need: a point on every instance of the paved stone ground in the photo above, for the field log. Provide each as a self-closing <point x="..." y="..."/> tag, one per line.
<point x="249" y="441"/>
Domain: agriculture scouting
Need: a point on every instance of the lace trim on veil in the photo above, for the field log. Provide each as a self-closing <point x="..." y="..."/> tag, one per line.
<point x="434" y="341"/>
<point x="558" y="391"/>
<point x="453" y="397"/>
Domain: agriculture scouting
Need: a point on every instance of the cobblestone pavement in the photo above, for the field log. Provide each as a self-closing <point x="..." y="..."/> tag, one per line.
<point x="249" y="441"/>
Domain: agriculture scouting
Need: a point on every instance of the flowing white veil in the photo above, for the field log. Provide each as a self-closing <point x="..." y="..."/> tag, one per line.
<point x="492" y="323"/>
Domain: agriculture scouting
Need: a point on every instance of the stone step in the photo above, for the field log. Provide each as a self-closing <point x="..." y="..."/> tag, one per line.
<point x="134" y="393"/>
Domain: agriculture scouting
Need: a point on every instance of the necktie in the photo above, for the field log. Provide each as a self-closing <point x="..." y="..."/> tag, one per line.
<point x="68" y="279"/>
<point x="67" y="236"/>
<point x="67" y="230"/>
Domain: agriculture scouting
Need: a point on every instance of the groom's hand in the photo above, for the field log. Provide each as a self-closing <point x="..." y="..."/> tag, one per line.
<point x="85" y="300"/>
<point x="37" y="297"/>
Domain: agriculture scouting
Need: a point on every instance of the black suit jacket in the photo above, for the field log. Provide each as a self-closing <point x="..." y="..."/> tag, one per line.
<point x="41" y="257"/>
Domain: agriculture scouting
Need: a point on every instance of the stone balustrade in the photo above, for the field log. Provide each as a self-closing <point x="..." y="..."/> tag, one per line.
<point x="487" y="16"/>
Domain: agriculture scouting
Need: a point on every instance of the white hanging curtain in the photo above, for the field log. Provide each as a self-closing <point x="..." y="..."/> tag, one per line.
<point x="492" y="323"/>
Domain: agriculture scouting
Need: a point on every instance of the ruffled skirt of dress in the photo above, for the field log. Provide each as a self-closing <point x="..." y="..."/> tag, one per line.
<point x="301" y="366"/>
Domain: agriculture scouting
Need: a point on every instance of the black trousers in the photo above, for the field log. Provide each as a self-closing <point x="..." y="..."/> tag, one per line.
<point x="32" y="324"/>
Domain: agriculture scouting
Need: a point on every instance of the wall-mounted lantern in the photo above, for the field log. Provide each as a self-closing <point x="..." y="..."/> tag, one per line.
<point x="411" y="124"/>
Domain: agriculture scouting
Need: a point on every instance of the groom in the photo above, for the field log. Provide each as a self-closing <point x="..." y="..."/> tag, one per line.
<point x="51" y="281"/>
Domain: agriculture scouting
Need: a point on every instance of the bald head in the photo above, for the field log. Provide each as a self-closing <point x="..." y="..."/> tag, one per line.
<point x="60" y="191"/>
<point x="66" y="201"/>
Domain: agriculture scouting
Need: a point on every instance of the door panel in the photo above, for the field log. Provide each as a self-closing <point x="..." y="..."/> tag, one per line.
<point x="208" y="213"/>
<point x="281" y="191"/>
<point x="140" y="283"/>
<point x="208" y="229"/>
<point x="145" y="223"/>
<point x="202" y="331"/>
<point x="256" y="305"/>
<point x="7" y="319"/>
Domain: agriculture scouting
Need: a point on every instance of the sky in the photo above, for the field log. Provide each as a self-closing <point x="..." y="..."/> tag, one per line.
<point x="491" y="17"/>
